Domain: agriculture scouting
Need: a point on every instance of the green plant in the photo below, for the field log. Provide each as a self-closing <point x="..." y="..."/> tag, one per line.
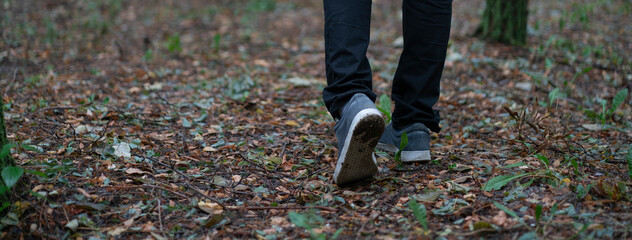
<point x="553" y="95"/>
<point x="173" y="43"/>
<point x="385" y="107"/>
<point x="217" y="41"/>
<point x="237" y="88"/>
<point x="10" y="174"/>
<point x="309" y="221"/>
<point x="545" y="174"/>
<point x="403" y="143"/>
<point x="628" y="158"/>
<point x="608" y="113"/>
<point x="261" y="5"/>
<point x="419" y="210"/>
<point x="542" y="221"/>
<point x="577" y="75"/>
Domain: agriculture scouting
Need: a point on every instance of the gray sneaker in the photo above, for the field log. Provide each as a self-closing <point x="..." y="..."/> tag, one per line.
<point x="418" y="148"/>
<point x="357" y="131"/>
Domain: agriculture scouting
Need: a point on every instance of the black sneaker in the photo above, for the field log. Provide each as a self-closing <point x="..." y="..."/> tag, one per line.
<point x="358" y="131"/>
<point x="418" y="147"/>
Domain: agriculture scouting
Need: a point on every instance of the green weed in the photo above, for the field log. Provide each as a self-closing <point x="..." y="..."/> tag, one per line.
<point x="261" y="5"/>
<point x="217" y="41"/>
<point x="173" y="43"/>
<point x="403" y="143"/>
<point x="628" y="159"/>
<point x="608" y="112"/>
<point x="385" y="107"/>
<point x="310" y="221"/>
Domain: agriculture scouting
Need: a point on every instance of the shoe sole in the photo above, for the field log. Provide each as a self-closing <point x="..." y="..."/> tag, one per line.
<point x="407" y="156"/>
<point x="356" y="161"/>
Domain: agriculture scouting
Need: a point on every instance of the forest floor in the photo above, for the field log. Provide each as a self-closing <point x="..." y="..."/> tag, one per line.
<point x="203" y="119"/>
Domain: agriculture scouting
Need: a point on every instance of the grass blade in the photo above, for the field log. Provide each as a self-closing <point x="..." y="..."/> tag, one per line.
<point x="500" y="181"/>
<point x="628" y="158"/>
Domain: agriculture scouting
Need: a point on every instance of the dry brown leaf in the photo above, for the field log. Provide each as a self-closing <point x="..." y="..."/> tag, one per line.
<point x="210" y="207"/>
<point x="134" y="171"/>
<point x="500" y="219"/>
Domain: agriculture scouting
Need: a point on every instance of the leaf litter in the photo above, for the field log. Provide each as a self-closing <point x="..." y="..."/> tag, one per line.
<point x="191" y="120"/>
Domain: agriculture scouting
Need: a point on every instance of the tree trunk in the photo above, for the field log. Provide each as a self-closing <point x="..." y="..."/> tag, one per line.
<point x="504" y="21"/>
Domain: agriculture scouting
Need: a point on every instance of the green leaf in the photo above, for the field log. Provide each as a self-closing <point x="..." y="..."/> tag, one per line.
<point x="385" y="107"/>
<point x="544" y="159"/>
<point x="30" y="148"/>
<point x="403" y="143"/>
<point x="38" y="173"/>
<point x="186" y="123"/>
<point x="629" y="159"/>
<point x="299" y="220"/>
<point x="500" y="181"/>
<point x="575" y="165"/>
<point x="553" y="95"/>
<point x="11" y="175"/>
<point x="506" y="210"/>
<point x="337" y="233"/>
<point x="528" y="236"/>
<point x="216" y="41"/>
<point x="618" y="100"/>
<point x="518" y="164"/>
<point x="419" y="210"/>
<point x="4" y="205"/>
<point x="538" y="213"/>
<point x="6" y="150"/>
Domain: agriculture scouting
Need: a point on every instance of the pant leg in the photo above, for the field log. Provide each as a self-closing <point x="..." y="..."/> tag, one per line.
<point x="347" y="29"/>
<point x="426" y="25"/>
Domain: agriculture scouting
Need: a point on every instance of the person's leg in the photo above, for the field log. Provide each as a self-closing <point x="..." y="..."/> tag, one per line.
<point x="426" y="25"/>
<point x="349" y="96"/>
<point x="347" y="29"/>
<point x="416" y="81"/>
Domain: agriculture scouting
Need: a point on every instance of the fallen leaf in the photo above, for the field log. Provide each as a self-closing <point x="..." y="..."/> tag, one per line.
<point x="214" y="221"/>
<point x="210" y="207"/>
<point x="278" y="221"/>
<point x="291" y="123"/>
<point x="122" y="150"/>
<point x="117" y="231"/>
<point x="209" y="149"/>
<point x="73" y="224"/>
<point x="85" y="193"/>
<point x="91" y="206"/>
<point x="134" y="171"/>
<point x="220" y="181"/>
<point x="428" y="196"/>
<point x="500" y="219"/>
<point x="593" y="127"/>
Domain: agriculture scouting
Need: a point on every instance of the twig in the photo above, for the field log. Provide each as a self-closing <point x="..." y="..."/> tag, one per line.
<point x="149" y="185"/>
<point x="58" y="108"/>
<point x="283" y="208"/>
<point x="107" y="126"/>
<point x="207" y="196"/>
<point x="166" y="189"/>
<point x="160" y="214"/>
<point x="250" y="161"/>
<point x="475" y="232"/>
<point x="283" y="152"/>
<point x="163" y="164"/>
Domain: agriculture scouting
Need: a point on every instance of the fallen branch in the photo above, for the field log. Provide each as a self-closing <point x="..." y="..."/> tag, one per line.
<point x="283" y="208"/>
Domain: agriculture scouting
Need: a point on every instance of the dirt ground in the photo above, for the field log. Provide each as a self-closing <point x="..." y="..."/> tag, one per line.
<point x="199" y="119"/>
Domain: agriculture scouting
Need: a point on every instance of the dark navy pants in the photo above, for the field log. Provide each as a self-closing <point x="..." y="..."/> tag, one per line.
<point x="426" y="27"/>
